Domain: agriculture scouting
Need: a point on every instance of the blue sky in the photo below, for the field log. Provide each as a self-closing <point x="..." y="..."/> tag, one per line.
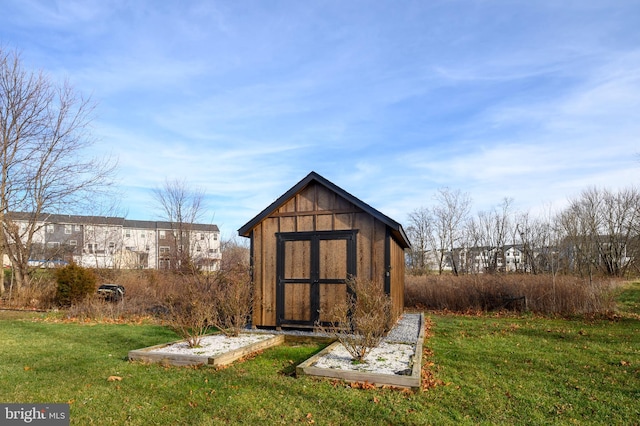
<point x="389" y="100"/>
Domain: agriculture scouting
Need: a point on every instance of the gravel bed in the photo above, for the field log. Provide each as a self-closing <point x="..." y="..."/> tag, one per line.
<point x="214" y="345"/>
<point x="386" y="358"/>
<point x="406" y="330"/>
<point x="393" y="356"/>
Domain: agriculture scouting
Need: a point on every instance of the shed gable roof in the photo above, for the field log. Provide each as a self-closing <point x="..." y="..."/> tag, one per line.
<point x="395" y="227"/>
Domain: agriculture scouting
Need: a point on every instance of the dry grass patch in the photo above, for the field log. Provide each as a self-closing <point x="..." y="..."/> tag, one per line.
<point x="545" y="294"/>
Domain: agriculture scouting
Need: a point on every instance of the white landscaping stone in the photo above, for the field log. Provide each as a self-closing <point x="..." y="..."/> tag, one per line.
<point x="386" y="358"/>
<point x="213" y="345"/>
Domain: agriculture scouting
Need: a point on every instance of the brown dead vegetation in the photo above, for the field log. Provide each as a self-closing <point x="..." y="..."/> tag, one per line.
<point x="543" y="294"/>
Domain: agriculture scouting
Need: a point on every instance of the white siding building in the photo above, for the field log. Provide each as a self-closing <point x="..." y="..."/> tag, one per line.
<point x="114" y="242"/>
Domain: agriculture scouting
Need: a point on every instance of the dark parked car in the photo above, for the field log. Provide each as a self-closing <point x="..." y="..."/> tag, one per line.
<point x="111" y="292"/>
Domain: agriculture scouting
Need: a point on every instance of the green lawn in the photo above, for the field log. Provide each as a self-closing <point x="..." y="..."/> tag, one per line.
<point x="496" y="370"/>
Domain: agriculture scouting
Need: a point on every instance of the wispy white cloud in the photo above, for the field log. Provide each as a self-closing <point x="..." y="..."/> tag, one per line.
<point x="532" y="100"/>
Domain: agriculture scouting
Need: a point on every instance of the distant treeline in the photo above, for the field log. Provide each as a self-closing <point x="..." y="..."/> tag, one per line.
<point x="598" y="234"/>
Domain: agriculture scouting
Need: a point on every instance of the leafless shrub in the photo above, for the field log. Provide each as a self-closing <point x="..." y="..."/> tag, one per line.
<point x="147" y="293"/>
<point x="361" y="321"/>
<point x="221" y="299"/>
<point x="97" y="309"/>
<point x="40" y="294"/>
<point x="192" y="310"/>
<point x="233" y="299"/>
<point x="545" y="294"/>
<point x="189" y="303"/>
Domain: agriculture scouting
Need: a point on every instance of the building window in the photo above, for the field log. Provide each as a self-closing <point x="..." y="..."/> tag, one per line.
<point x="164" y="249"/>
<point x="73" y="242"/>
<point x="198" y="249"/>
<point x="202" y="236"/>
<point x="67" y="229"/>
<point x="127" y="233"/>
<point x="53" y="244"/>
<point x="50" y="229"/>
<point x="78" y="228"/>
<point x="215" y="237"/>
<point x="163" y="235"/>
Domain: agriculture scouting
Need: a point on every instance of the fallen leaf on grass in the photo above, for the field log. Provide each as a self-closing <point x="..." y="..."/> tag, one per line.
<point x="250" y="356"/>
<point x="114" y="379"/>
<point x="363" y="385"/>
<point x="429" y="379"/>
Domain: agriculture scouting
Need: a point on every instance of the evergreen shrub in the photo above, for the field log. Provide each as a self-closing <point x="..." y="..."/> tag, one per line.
<point x="74" y="284"/>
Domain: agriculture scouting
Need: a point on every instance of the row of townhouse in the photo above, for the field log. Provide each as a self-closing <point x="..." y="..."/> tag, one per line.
<point x="612" y="258"/>
<point x="510" y="258"/>
<point x="116" y="242"/>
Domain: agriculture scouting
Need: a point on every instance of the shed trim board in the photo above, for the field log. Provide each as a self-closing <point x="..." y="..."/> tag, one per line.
<point x="309" y="242"/>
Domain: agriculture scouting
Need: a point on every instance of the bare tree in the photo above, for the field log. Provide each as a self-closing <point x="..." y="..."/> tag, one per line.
<point x="235" y="254"/>
<point x="450" y="215"/>
<point x="420" y="234"/>
<point x="490" y="232"/>
<point x="181" y="206"/>
<point x="537" y="241"/>
<point x="601" y="230"/>
<point x="44" y="134"/>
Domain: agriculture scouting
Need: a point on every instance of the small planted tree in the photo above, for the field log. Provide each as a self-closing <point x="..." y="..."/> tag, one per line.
<point x="362" y="320"/>
<point x="74" y="284"/>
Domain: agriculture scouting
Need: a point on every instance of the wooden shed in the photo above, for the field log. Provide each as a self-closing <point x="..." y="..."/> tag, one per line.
<point x="306" y="244"/>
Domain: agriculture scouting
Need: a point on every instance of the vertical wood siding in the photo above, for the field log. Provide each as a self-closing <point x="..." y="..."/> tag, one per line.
<point x="316" y="208"/>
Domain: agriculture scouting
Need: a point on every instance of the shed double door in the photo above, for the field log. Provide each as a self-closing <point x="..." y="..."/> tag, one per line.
<point x="312" y="273"/>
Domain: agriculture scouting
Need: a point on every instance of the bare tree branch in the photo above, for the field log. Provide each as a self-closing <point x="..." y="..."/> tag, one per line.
<point x="44" y="132"/>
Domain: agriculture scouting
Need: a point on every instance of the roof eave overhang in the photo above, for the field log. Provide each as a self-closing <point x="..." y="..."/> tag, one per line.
<point x="396" y="228"/>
